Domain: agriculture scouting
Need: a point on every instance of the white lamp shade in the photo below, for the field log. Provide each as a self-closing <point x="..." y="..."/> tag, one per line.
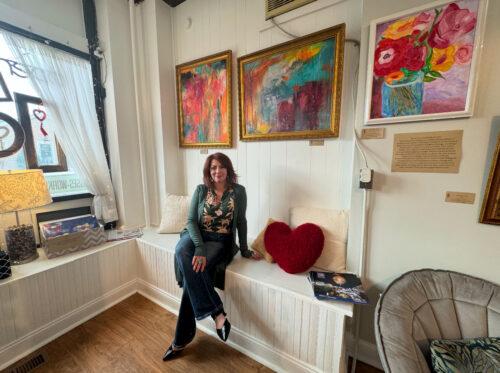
<point x="23" y="189"/>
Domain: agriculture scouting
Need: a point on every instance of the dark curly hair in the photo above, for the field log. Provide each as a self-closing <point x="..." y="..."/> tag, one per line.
<point x="224" y="160"/>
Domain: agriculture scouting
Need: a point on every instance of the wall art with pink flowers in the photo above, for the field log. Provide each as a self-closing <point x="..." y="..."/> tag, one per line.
<point x="422" y="62"/>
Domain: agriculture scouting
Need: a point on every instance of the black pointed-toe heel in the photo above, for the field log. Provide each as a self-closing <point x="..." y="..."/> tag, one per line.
<point x="171" y="353"/>
<point x="223" y="332"/>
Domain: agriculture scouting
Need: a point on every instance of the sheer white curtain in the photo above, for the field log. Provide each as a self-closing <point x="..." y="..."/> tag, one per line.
<point x="64" y="83"/>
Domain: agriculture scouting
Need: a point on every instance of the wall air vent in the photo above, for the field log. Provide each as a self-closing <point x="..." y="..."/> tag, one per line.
<point x="276" y="7"/>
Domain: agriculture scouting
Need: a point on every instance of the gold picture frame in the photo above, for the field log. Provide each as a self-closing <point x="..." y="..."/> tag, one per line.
<point x="204" y="107"/>
<point x="303" y="93"/>
<point x="490" y="211"/>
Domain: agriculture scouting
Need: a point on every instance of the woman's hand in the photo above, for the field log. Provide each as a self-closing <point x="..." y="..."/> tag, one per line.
<point x="199" y="263"/>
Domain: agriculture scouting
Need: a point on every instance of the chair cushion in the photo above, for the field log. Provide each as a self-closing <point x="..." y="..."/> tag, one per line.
<point x="334" y="225"/>
<point x="472" y="355"/>
<point x="174" y="214"/>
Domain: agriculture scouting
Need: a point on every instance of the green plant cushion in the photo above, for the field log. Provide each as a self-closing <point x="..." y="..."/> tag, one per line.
<point x="481" y="355"/>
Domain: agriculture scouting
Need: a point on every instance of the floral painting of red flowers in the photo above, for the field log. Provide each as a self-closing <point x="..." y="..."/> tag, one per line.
<point x="422" y="62"/>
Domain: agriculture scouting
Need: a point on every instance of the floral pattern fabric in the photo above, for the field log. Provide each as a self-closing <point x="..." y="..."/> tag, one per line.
<point x="479" y="355"/>
<point x="218" y="215"/>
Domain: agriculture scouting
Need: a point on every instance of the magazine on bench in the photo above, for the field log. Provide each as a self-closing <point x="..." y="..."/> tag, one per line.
<point x="345" y="287"/>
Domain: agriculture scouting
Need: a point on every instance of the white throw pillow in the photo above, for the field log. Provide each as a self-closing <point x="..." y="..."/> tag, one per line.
<point x="334" y="224"/>
<point x="174" y="214"/>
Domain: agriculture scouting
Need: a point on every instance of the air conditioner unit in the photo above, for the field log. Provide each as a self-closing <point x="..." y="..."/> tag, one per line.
<point x="276" y="7"/>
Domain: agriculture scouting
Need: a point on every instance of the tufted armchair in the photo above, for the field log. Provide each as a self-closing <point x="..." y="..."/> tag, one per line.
<point x="431" y="304"/>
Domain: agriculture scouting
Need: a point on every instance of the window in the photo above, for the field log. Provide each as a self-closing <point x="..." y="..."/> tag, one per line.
<point x="27" y="139"/>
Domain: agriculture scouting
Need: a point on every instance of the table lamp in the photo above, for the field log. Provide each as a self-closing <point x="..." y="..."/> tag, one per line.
<point x="21" y="190"/>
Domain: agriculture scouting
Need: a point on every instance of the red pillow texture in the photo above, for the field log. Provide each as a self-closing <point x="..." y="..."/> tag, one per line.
<point x="296" y="250"/>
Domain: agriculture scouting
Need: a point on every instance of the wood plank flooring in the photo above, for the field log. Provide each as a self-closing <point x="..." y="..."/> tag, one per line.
<point x="132" y="337"/>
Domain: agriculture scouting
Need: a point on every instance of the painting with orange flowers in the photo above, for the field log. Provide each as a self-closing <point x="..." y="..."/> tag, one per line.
<point x="204" y="101"/>
<point x="292" y="90"/>
<point x="422" y="63"/>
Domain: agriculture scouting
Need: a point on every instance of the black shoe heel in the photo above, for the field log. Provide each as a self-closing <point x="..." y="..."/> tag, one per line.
<point x="223" y="332"/>
<point x="171" y="353"/>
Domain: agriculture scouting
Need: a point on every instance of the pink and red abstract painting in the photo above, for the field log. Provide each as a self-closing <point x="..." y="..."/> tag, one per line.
<point x="292" y="90"/>
<point x="422" y="63"/>
<point x="204" y="101"/>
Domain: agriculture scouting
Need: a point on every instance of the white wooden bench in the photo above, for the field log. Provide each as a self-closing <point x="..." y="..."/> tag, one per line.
<point x="276" y="320"/>
<point x="275" y="317"/>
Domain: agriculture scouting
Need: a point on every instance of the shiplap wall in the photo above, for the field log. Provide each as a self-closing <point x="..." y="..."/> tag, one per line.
<point x="279" y="174"/>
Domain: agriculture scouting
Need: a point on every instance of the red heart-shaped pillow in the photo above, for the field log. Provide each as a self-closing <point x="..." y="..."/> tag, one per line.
<point x="295" y="250"/>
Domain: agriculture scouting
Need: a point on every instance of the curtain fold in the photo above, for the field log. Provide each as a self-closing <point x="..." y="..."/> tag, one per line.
<point x="64" y="83"/>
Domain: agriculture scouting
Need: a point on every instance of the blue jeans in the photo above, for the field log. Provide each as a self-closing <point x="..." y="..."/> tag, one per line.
<point x="199" y="298"/>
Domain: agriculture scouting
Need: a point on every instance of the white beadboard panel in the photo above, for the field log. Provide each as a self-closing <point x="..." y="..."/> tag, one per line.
<point x="277" y="174"/>
<point x="294" y="326"/>
<point x="7" y="326"/>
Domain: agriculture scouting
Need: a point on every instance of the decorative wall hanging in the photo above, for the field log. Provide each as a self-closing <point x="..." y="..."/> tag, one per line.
<point x="204" y="101"/>
<point x="40" y="152"/>
<point x="293" y="90"/>
<point x="490" y="211"/>
<point x="422" y="62"/>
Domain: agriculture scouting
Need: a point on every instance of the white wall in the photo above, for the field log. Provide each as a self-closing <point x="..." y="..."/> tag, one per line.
<point x="278" y="174"/>
<point x="410" y="225"/>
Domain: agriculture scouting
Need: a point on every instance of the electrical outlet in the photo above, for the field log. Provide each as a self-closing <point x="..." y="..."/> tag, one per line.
<point x="366" y="178"/>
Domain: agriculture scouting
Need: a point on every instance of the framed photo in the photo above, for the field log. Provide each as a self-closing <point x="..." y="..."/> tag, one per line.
<point x="490" y="211"/>
<point x="422" y="62"/>
<point x="204" y="102"/>
<point x="293" y="90"/>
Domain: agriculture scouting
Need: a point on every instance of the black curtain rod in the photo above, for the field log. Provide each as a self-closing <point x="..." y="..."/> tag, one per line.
<point x="41" y="39"/>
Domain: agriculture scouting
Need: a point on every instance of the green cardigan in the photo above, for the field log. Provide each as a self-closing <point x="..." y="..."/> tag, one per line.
<point x="239" y="225"/>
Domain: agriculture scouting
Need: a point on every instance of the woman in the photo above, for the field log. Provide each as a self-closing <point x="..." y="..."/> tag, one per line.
<point x="206" y="247"/>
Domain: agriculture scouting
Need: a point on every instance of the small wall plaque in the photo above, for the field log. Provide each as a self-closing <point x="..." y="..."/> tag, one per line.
<point x="373" y="133"/>
<point x="204" y="151"/>
<point x="460" y="197"/>
<point x="316" y="142"/>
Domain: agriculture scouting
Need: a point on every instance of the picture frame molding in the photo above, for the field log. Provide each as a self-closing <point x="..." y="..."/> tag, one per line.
<point x="337" y="31"/>
<point x="473" y="80"/>
<point x="228" y="56"/>
<point x="492" y="186"/>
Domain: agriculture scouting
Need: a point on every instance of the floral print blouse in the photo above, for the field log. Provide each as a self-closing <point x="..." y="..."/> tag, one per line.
<point x="218" y="215"/>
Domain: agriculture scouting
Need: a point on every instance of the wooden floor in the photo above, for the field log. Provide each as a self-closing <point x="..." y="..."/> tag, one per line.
<point x="132" y="336"/>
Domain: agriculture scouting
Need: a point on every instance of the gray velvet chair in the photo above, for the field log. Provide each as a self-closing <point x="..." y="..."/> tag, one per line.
<point x="431" y="304"/>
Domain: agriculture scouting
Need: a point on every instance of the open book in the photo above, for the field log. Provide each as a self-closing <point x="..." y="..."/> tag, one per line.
<point x="337" y="286"/>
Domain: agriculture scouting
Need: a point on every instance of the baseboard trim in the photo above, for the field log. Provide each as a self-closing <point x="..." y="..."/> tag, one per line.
<point x="239" y="340"/>
<point x="367" y="352"/>
<point x="38" y="338"/>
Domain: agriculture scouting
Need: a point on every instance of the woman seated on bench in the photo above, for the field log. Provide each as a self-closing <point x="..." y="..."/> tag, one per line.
<point x="207" y="245"/>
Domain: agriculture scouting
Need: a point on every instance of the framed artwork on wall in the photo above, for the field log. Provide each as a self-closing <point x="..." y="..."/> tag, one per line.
<point x="204" y="102"/>
<point x="490" y="211"/>
<point x="422" y="63"/>
<point x="293" y="90"/>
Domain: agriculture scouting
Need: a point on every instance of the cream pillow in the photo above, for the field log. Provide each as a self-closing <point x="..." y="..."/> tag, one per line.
<point x="174" y="214"/>
<point x="259" y="246"/>
<point x="334" y="225"/>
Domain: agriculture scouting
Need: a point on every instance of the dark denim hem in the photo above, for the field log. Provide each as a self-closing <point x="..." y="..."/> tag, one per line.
<point x="216" y="310"/>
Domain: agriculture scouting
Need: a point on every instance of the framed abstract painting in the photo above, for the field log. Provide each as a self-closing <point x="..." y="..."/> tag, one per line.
<point x="204" y="102"/>
<point x="293" y="90"/>
<point x="422" y="62"/>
